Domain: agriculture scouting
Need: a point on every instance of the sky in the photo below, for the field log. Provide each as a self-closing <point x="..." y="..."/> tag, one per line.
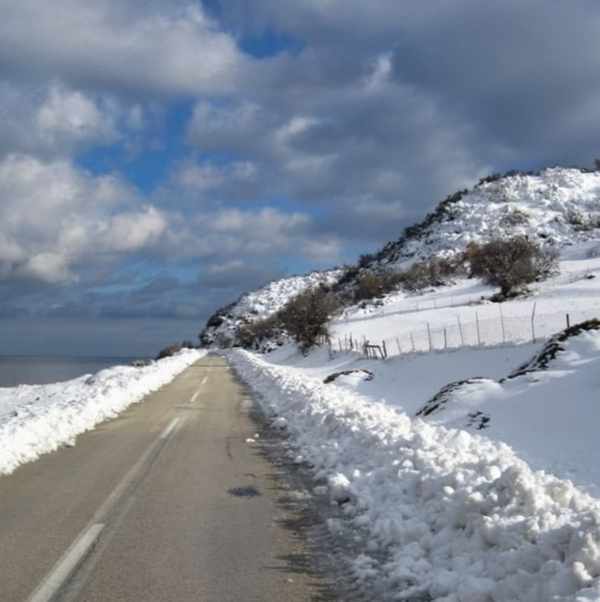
<point x="159" y="158"/>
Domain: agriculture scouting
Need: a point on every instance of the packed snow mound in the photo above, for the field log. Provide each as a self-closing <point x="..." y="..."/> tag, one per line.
<point x="547" y="410"/>
<point x="221" y="328"/>
<point x="444" y="514"/>
<point x="556" y="206"/>
<point x="37" y="419"/>
<point x="557" y="344"/>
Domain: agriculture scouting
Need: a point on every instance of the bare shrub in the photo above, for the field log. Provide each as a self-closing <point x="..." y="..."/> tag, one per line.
<point x="511" y="263"/>
<point x="169" y="351"/>
<point x="255" y="335"/>
<point x="305" y="316"/>
<point x="435" y="272"/>
<point x="371" y="285"/>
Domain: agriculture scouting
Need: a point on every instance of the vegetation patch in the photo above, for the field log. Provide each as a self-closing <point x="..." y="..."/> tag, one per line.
<point x="442" y="397"/>
<point x="367" y="375"/>
<point x="553" y="347"/>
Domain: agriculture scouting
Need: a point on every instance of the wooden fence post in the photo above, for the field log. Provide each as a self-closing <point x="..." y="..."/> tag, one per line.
<point x="568" y="321"/>
<point x="502" y="323"/>
<point x="429" y="336"/>
<point x="478" y="330"/>
<point x="460" y="330"/>
<point x="533" y="323"/>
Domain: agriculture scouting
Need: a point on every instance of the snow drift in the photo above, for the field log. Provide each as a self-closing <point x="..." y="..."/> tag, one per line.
<point x="37" y="419"/>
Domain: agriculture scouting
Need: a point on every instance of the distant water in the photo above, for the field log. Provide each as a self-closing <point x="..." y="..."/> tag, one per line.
<point x="31" y="370"/>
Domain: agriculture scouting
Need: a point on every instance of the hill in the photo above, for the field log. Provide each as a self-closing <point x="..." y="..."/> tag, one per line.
<point x="556" y="207"/>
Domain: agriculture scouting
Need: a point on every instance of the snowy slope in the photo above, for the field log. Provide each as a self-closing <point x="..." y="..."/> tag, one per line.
<point x="262" y="303"/>
<point x="556" y="206"/>
<point x="37" y="419"/>
<point x="574" y="291"/>
<point x="550" y="412"/>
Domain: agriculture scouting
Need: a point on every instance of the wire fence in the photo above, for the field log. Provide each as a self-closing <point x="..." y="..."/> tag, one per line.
<point x="410" y="308"/>
<point x="463" y="332"/>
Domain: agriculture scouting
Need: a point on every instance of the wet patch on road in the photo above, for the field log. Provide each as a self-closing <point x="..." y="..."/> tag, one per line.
<point x="248" y="491"/>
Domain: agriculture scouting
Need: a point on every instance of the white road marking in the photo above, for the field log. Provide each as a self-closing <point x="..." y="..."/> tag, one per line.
<point x="169" y="429"/>
<point x="195" y="395"/>
<point x="67" y="565"/>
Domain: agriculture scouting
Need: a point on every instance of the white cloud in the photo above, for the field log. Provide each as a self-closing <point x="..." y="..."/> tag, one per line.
<point x="55" y="217"/>
<point x="73" y="117"/>
<point x="53" y="119"/>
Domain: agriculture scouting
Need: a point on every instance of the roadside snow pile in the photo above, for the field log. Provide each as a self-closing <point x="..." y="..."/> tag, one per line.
<point x="456" y="517"/>
<point x="37" y="419"/>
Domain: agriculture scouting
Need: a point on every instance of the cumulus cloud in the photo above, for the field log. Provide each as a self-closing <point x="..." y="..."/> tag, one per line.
<point x="52" y="119"/>
<point x="53" y="216"/>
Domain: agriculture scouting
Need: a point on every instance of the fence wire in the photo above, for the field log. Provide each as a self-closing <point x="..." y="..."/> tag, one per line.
<point x="471" y="332"/>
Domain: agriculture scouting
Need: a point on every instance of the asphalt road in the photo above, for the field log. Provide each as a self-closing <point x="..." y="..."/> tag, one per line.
<point x="168" y="502"/>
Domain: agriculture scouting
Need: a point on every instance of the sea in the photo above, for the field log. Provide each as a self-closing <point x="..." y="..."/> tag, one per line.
<point x="41" y="370"/>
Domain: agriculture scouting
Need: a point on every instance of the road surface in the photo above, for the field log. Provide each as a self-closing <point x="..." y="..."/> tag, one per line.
<point x="168" y="502"/>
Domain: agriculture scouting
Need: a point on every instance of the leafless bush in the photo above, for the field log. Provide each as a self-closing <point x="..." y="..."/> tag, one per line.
<point x="254" y="335"/>
<point x="169" y="351"/>
<point x="305" y="316"/>
<point x="511" y="263"/>
<point x="371" y="285"/>
<point x="435" y="272"/>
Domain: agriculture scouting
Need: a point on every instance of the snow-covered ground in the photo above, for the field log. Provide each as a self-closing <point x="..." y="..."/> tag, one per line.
<point x="558" y="206"/>
<point x="465" y="480"/>
<point x="457" y="308"/>
<point x="37" y="419"/>
<point x="443" y="514"/>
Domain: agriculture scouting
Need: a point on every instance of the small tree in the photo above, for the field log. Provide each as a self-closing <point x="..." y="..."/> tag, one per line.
<point x="305" y="316"/>
<point x="510" y="263"/>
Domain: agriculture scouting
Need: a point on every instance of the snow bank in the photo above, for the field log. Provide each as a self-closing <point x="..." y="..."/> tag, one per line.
<point x="458" y="517"/>
<point x="36" y="419"/>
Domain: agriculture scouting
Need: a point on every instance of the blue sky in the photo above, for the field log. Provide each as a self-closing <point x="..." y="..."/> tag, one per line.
<point x="157" y="159"/>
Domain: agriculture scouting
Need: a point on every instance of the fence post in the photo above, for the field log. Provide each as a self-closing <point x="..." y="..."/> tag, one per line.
<point x="445" y="339"/>
<point x="533" y="323"/>
<point x="478" y="330"/>
<point x="399" y="346"/>
<point x="568" y="321"/>
<point x="383" y="345"/>
<point x="429" y="335"/>
<point x="412" y="342"/>
<point x="460" y="330"/>
<point x="502" y="323"/>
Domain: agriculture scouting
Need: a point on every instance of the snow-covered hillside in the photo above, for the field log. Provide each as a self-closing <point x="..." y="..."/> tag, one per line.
<point x="465" y="465"/>
<point x="221" y="327"/>
<point x="556" y="206"/>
